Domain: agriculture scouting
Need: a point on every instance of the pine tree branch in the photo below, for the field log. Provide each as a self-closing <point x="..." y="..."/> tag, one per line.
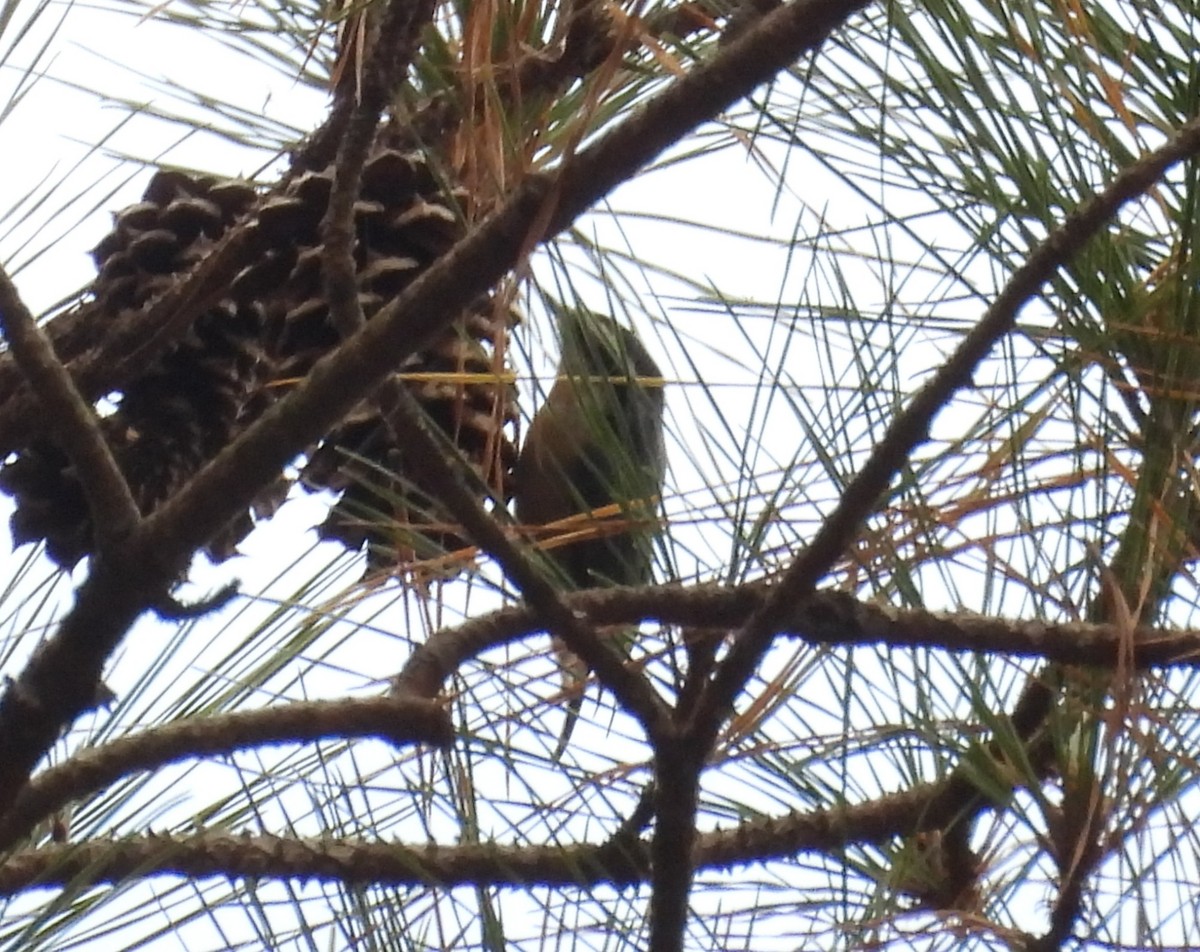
<point x="620" y="862"/>
<point x="399" y="721"/>
<point x="70" y="418"/>
<point x="385" y="70"/>
<point x="678" y="761"/>
<point x="911" y="426"/>
<point x="831" y="619"/>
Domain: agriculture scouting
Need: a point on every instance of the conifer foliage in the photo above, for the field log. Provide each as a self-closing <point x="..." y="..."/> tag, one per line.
<point x="908" y="658"/>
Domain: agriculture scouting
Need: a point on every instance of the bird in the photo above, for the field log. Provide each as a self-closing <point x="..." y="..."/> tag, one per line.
<point x="596" y="441"/>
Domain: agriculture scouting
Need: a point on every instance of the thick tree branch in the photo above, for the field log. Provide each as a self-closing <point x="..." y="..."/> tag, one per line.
<point x="61" y="680"/>
<point x="678" y="761"/>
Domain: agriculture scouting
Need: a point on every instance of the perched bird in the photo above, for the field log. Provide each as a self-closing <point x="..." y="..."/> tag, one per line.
<point x="596" y="441"/>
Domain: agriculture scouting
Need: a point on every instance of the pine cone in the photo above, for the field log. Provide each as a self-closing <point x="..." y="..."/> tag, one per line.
<point x="191" y="403"/>
<point x="268" y="331"/>
<point x="404" y="220"/>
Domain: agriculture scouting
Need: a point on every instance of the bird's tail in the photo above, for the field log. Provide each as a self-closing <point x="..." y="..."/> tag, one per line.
<point x="574" y="681"/>
<point x="575" y="672"/>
